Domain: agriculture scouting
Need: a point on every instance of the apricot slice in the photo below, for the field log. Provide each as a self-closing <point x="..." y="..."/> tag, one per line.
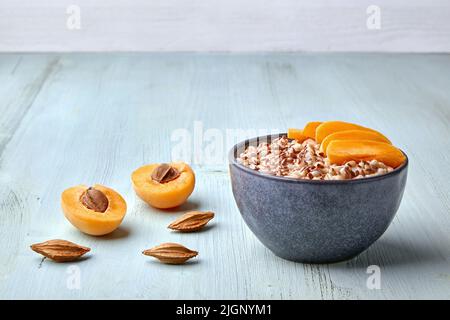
<point x="330" y="127"/>
<point x="97" y="210"/>
<point x="310" y="129"/>
<point x="164" y="186"/>
<point x="342" y="151"/>
<point x="352" y="135"/>
<point x="296" y="134"/>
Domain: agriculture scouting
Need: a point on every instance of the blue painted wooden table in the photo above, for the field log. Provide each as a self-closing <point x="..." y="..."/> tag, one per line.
<point x="94" y="118"/>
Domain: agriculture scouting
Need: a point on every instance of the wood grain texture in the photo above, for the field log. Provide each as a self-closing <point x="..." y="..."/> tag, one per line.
<point x="232" y="25"/>
<point x="93" y="118"/>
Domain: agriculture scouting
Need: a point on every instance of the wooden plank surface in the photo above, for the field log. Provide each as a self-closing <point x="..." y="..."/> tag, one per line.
<point x="232" y="25"/>
<point x="94" y="118"/>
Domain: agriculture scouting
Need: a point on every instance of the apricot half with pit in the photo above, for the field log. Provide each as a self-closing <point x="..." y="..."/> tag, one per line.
<point x="165" y="185"/>
<point x="96" y="210"/>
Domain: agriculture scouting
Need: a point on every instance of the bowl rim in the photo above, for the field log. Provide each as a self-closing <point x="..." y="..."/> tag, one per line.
<point x="233" y="161"/>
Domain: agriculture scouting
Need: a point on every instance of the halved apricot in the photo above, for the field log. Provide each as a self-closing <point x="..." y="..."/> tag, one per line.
<point x="352" y="135"/>
<point x="310" y="129"/>
<point x="97" y="210"/>
<point x="296" y="134"/>
<point x="330" y="127"/>
<point x="342" y="151"/>
<point x="164" y="185"/>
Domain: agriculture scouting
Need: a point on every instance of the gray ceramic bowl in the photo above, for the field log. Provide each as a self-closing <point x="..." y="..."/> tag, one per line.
<point x="315" y="221"/>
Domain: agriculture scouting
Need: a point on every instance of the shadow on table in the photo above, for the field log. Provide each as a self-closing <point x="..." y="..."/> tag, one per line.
<point x="398" y="253"/>
<point x="119" y="233"/>
<point x="185" y="207"/>
<point x="164" y="266"/>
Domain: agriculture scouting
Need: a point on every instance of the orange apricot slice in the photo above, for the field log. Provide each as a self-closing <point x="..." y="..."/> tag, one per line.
<point x="342" y="151"/>
<point x="164" y="186"/>
<point x="310" y="129"/>
<point x="352" y="135"/>
<point x="296" y="134"/>
<point x="97" y="210"/>
<point x="330" y="127"/>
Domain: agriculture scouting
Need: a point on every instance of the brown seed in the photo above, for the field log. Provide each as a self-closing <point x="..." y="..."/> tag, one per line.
<point x="192" y="221"/>
<point x="165" y="173"/>
<point x="60" y="250"/>
<point x="171" y="253"/>
<point x="95" y="200"/>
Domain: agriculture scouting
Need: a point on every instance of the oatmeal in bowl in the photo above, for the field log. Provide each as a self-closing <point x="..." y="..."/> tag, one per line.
<point x="304" y="160"/>
<point x="318" y="199"/>
<point x="332" y="150"/>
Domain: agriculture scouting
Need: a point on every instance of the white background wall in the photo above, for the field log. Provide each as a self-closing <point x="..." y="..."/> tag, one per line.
<point x="225" y="25"/>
